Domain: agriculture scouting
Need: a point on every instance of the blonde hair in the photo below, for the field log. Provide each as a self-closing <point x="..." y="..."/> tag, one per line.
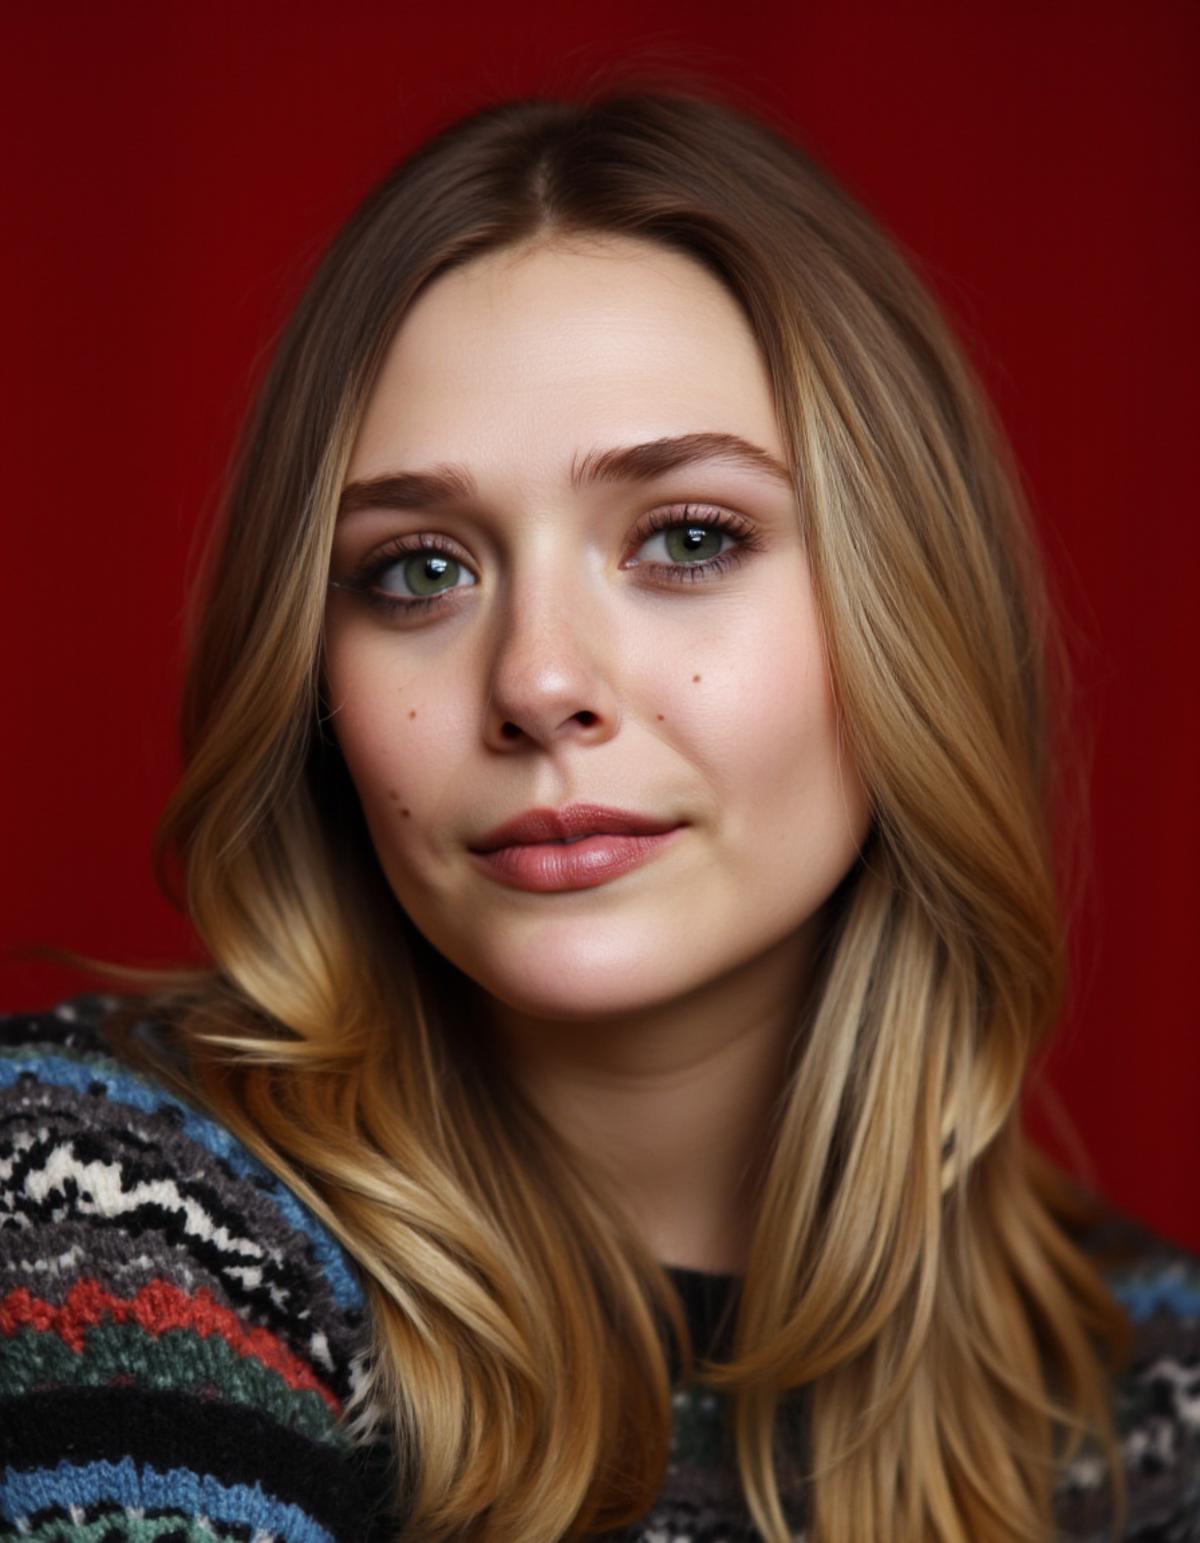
<point x="913" y="1261"/>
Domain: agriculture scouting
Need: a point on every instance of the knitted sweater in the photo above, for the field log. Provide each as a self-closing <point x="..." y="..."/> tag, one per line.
<point x="179" y="1336"/>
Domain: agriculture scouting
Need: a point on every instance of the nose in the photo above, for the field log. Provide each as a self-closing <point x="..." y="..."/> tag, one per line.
<point x="550" y="679"/>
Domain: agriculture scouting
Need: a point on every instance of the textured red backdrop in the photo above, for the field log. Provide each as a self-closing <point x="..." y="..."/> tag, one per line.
<point x="172" y="173"/>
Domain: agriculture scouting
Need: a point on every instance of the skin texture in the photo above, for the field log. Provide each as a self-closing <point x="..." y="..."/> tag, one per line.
<point x="648" y="1017"/>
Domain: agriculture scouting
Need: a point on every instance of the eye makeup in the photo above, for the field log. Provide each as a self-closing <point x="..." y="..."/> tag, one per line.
<point x="443" y="554"/>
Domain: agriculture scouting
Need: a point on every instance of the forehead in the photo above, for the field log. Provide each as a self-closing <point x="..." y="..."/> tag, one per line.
<point x="537" y="350"/>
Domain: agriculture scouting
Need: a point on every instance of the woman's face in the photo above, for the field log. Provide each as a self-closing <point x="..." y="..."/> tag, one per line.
<point x="564" y="651"/>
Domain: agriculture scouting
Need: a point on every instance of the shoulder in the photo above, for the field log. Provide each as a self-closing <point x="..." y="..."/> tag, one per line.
<point x="1157" y="1392"/>
<point x="171" y="1314"/>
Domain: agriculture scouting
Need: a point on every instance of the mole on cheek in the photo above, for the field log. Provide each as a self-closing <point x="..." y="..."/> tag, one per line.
<point x="659" y="716"/>
<point x="412" y="712"/>
<point x="695" y="677"/>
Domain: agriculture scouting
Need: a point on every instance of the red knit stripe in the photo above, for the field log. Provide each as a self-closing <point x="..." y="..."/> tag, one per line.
<point x="158" y="1306"/>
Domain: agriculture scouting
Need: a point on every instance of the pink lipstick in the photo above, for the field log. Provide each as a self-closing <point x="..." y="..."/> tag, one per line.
<point x="573" y="848"/>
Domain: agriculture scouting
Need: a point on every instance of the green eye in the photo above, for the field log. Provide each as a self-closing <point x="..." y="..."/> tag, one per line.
<point x="426" y="571"/>
<point x="692" y="550"/>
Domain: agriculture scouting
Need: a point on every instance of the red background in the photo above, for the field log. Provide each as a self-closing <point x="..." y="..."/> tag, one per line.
<point x="173" y="172"/>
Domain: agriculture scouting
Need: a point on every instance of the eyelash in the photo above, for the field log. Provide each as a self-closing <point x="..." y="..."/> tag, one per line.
<point x="678" y="518"/>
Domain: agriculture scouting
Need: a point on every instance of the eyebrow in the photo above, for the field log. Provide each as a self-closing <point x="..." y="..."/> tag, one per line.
<point x="448" y="482"/>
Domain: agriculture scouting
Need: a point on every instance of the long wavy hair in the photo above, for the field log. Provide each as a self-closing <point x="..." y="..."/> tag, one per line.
<point x="915" y="1265"/>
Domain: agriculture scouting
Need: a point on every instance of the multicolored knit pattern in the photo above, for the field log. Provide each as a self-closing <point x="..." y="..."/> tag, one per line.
<point x="180" y="1337"/>
<point x="178" y="1334"/>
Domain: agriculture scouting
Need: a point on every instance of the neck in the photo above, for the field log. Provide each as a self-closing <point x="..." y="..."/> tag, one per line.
<point x="674" y="1102"/>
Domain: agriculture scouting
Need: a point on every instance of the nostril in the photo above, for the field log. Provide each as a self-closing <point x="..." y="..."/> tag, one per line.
<point x="586" y="717"/>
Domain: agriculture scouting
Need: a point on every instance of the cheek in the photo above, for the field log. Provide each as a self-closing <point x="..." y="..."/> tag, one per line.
<point x="365" y="711"/>
<point x="769" y="719"/>
<point x="393" y="732"/>
<point x="772" y="749"/>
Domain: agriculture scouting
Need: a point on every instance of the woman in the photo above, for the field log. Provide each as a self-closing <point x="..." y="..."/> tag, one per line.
<point x="619" y="802"/>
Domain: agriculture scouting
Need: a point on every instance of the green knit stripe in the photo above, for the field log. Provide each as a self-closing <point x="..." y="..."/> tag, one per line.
<point x="175" y="1360"/>
<point x="132" y="1529"/>
<point x="39" y="1049"/>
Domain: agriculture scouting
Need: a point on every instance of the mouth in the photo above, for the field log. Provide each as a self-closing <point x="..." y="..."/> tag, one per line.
<point x="570" y="826"/>
<point x="572" y="862"/>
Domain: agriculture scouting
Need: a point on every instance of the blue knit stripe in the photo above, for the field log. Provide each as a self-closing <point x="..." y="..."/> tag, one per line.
<point x="25" y="1493"/>
<point x="1142" y="1296"/>
<point x="125" y="1086"/>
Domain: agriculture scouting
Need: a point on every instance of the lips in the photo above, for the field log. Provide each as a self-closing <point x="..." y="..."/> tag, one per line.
<point x="570" y="824"/>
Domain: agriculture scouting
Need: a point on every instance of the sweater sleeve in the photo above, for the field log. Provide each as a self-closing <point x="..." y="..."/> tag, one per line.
<point x="178" y="1333"/>
<point x="1157" y="1407"/>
